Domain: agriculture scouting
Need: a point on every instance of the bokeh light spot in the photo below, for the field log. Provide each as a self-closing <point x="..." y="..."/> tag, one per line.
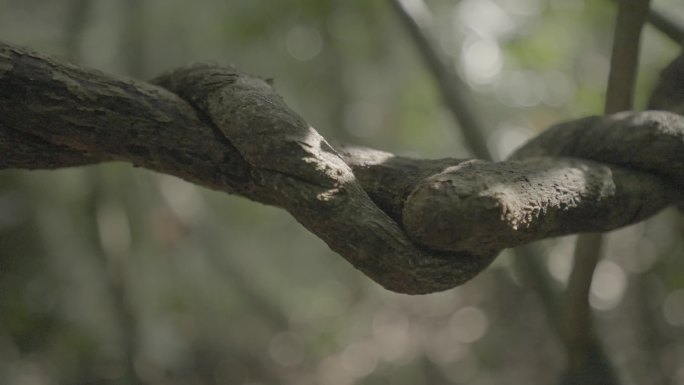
<point x="468" y="324"/>
<point x="608" y="286"/>
<point x="303" y="42"/>
<point x="673" y="308"/>
<point x="482" y="60"/>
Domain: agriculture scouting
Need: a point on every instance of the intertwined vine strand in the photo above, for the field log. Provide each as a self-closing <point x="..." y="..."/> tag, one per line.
<point x="412" y="225"/>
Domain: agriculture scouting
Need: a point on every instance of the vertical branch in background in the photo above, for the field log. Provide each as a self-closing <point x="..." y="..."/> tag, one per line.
<point x="579" y="330"/>
<point x="133" y="34"/>
<point x="76" y="23"/>
<point x="335" y="67"/>
<point x="449" y="83"/>
<point x="665" y="24"/>
<point x="116" y="278"/>
<point x="113" y="270"/>
<point x="114" y="266"/>
<point x="625" y="56"/>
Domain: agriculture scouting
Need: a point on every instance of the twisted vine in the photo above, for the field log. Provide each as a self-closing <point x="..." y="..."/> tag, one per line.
<point x="412" y="225"/>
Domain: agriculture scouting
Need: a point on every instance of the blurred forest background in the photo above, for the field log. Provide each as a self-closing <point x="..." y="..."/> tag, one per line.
<point x="110" y="274"/>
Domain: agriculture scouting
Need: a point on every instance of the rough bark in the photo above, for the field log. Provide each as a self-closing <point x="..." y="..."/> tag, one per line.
<point x="412" y="225"/>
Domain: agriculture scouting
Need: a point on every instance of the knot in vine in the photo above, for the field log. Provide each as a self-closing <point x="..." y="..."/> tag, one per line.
<point x="419" y="226"/>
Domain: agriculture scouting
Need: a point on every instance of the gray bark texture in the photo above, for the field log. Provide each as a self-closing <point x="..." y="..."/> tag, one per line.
<point x="413" y="225"/>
